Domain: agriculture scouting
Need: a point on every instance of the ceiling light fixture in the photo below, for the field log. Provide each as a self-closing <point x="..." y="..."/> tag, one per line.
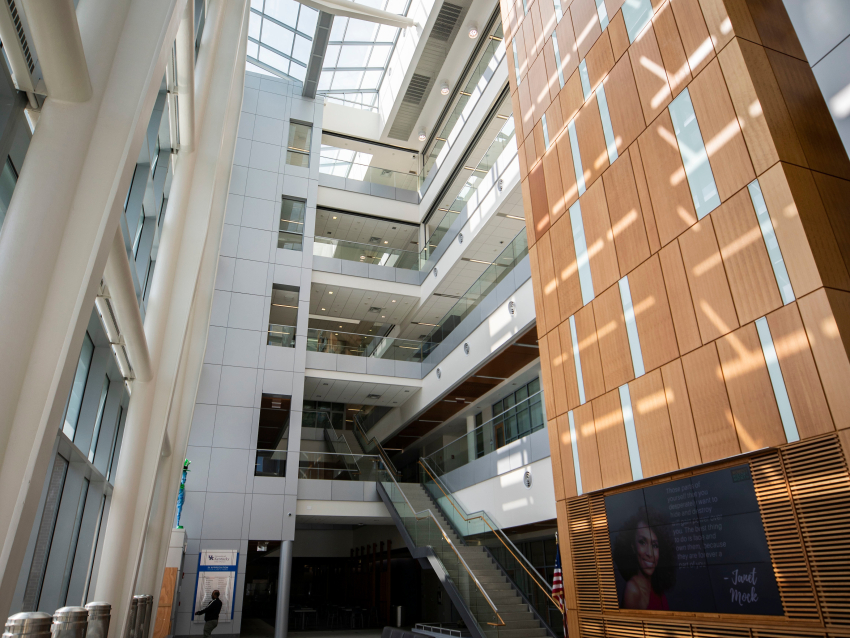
<point x="422" y="135"/>
<point x="522" y="219"/>
<point x="473" y="31"/>
<point x="444" y="90"/>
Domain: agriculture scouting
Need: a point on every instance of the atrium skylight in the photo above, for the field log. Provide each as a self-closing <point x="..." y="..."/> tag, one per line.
<point x="281" y="37"/>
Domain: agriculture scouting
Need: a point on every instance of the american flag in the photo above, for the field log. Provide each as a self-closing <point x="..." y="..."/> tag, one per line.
<point x="558" y="587"/>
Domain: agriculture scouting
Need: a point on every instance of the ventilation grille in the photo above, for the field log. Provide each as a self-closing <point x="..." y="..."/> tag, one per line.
<point x="374" y="309"/>
<point x="803" y="493"/>
<point x="416" y="89"/>
<point x="446" y="21"/>
<point x="373" y="396"/>
<point x="19" y="29"/>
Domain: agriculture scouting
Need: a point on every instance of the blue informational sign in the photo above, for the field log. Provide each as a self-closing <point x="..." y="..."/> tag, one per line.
<point x="217" y="569"/>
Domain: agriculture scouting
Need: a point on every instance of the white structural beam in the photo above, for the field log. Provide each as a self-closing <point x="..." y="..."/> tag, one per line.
<point x="119" y="278"/>
<point x="57" y="39"/>
<point x="56" y="238"/>
<point x="170" y="305"/>
<point x="185" y="62"/>
<point x="349" y="9"/>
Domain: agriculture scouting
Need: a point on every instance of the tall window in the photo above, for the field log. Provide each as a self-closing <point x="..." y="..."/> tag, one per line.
<point x="8" y="179"/>
<point x="75" y="400"/>
<point x="517" y="415"/>
<point x="272" y="435"/>
<point x="298" y="146"/>
<point x="291" y="232"/>
<point x="100" y="408"/>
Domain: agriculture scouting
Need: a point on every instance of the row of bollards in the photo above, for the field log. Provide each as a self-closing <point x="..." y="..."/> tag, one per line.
<point x="91" y="621"/>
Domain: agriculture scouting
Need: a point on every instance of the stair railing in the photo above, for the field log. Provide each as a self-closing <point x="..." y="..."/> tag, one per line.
<point x="478" y="524"/>
<point x="423" y="526"/>
<point x="338" y="444"/>
<point x="371" y="445"/>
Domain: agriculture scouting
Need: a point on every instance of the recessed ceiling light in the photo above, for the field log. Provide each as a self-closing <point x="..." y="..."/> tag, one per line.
<point x="444" y="90"/>
<point x="334" y="217"/>
<point x="422" y="136"/>
<point x="393" y="301"/>
<point x="473" y="31"/>
<point x="322" y="308"/>
<point x="330" y="292"/>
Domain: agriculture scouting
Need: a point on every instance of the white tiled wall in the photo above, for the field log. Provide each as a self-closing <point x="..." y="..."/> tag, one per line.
<point x="226" y="506"/>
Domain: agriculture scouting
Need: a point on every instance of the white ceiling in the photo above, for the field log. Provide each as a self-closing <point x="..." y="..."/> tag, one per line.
<point x="356" y="392"/>
<point x="337" y="225"/>
<point x="394" y="159"/>
<point x="353" y="303"/>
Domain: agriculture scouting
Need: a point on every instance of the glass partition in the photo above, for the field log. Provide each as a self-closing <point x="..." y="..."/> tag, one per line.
<point x="365" y="253"/>
<point x="339" y="467"/>
<point x="344" y="163"/>
<point x="357" y="345"/>
<point x="283" y="336"/>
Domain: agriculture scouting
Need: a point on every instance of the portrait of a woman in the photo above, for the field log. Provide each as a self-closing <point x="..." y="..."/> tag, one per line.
<point x="645" y="557"/>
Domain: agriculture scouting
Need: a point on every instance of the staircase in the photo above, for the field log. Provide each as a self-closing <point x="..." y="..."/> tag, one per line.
<point x="519" y="621"/>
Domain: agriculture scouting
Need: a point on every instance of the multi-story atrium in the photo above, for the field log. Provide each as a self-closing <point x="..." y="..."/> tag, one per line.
<point x="409" y="318"/>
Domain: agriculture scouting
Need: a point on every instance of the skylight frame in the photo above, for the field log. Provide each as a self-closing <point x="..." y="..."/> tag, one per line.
<point x="290" y="57"/>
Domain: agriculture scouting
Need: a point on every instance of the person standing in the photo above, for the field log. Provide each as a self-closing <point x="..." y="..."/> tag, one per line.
<point x="211" y="613"/>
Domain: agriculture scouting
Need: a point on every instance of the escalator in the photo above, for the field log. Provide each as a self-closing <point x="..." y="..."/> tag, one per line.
<point x="456" y="545"/>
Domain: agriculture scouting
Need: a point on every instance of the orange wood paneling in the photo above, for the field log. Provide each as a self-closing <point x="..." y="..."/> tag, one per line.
<point x="600" y="60"/>
<point x="588" y="450"/>
<point x="539" y="200"/>
<point x="619" y="35"/>
<point x="548" y="19"/>
<point x="726" y="19"/>
<point x="522" y="56"/>
<point x="652" y="425"/>
<point x="672" y="202"/>
<point x="625" y="214"/>
<point x="712" y="299"/>
<point x="623" y="105"/>
<point x="529" y="216"/>
<point x="814" y="124"/>
<point x="551" y="71"/>
<point x="539" y="142"/>
<point x="539" y="85"/>
<point x="569" y="365"/>
<point x="530" y="146"/>
<point x="835" y="193"/>
<point x="652" y="314"/>
<point x="568" y="173"/>
<point x="547" y="282"/>
<point x="526" y="107"/>
<point x="721" y="133"/>
<point x="523" y="162"/>
<point x="750" y="392"/>
<point x="554" y="122"/>
<point x="762" y="113"/>
<point x="528" y="38"/>
<point x="710" y="404"/>
<point x="585" y="25"/>
<point x="600" y="240"/>
<point x="565" y="445"/>
<point x="554" y="190"/>
<point x="591" y="141"/>
<point x="613" y="341"/>
<point x="567" y="43"/>
<point x="748" y="268"/>
<point x="645" y="200"/>
<point x="565" y="548"/>
<point x="695" y="38"/>
<point x="652" y="85"/>
<point x="811" y="412"/>
<point x="537" y="25"/>
<point x="557" y="363"/>
<point x="611" y="439"/>
<point x="679" y="297"/>
<point x="566" y="267"/>
<point x="540" y="310"/>
<point x="828" y="348"/>
<point x="672" y="50"/>
<point x="555" y="449"/>
<point x="588" y="348"/>
<point x="775" y="29"/>
<point x="681" y="419"/>
<point x="571" y="97"/>
<point x="546" y="374"/>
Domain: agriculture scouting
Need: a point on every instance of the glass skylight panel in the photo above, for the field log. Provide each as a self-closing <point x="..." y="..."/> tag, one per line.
<point x="281" y="37"/>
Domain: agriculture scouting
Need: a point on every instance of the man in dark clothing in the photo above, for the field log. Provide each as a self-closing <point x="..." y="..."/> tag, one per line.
<point x="210" y="613"/>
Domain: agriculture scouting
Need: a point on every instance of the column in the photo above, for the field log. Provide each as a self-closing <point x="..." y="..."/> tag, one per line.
<point x="470" y="437"/>
<point x="284" y="582"/>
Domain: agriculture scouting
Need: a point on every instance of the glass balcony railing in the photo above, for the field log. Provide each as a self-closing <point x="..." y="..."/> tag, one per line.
<point x="270" y="463"/>
<point x="478" y="528"/>
<point x="365" y="253"/>
<point x="504" y="138"/>
<point x="340" y="467"/>
<point x="358" y="345"/>
<point x="466" y="100"/>
<point x="527" y="416"/>
<point x="342" y="162"/>
<point x="283" y="336"/>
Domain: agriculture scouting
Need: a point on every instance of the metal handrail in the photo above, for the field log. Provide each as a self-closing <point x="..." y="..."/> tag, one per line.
<point x="381" y="452"/>
<point x="426" y="514"/>
<point x="536" y="578"/>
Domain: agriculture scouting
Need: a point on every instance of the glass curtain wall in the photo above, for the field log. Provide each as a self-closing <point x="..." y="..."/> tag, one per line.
<point x="514" y="417"/>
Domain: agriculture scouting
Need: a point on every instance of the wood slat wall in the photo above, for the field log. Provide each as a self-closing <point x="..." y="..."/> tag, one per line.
<point x="803" y="491"/>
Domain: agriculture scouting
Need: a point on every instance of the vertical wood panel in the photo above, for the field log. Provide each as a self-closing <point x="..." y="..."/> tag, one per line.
<point x="652" y="314"/>
<point x="602" y="254"/>
<point x="527" y="110"/>
<point x="625" y="213"/>
<point x="546" y="374"/>
<point x="588" y="348"/>
<point x="529" y="216"/>
<point x="799" y="372"/>
<point x="709" y="404"/>
<point x="567" y="43"/>
<point x="539" y="201"/>
<point x="539" y="84"/>
<point x="565" y="541"/>
<point x="721" y="133"/>
<point x="613" y="341"/>
<point x="568" y="173"/>
<point x="558" y="363"/>
<point x="725" y="19"/>
<point x="569" y="365"/>
<point x="547" y="282"/>
<point x="591" y="141"/>
<point x="665" y="176"/>
<point x="835" y="193"/>
<point x="571" y="96"/>
<point x="679" y="297"/>
<point x="564" y="444"/>
<point x="600" y="60"/>
<point x="745" y="258"/>
<point x="707" y="280"/>
<point x="681" y="418"/>
<point x="672" y="50"/>
<point x="624" y="105"/>
<point x="829" y="350"/>
<point x="585" y="25"/>
<point x="555" y="452"/>
<point x="551" y="71"/>
<point x="611" y="438"/>
<point x="645" y="200"/>
<point x="750" y="392"/>
<point x="619" y="35"/>
<point x="694" y="33"/>
<point x="566" y="266"/>
<point x="537" y="289"/>
<point x="653" y="89"/>
<point x="588" y="451"/>
<point x="554" y="190"/>
<point x="652" y="425"/>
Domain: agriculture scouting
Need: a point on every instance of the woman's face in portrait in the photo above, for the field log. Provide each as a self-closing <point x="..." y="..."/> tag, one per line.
<point x="646" y="548"/>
